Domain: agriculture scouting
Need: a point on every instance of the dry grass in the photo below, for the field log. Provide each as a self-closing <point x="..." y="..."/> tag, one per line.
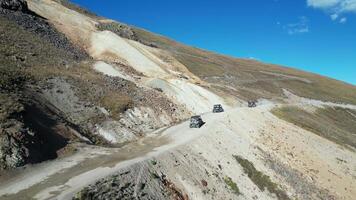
<point x="248" y="74"/>
<point x="116" y="103"/>
<point x="21" y="48"/>
<point x="11" y="78"/>
<point x="335" y="124"/>
<point x="77" y="8"/>
<point x="82" y="71"/>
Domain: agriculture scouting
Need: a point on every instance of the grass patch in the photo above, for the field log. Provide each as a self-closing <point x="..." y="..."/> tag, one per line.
<point x="261" y="180"/>
<point x="116" y="103"/>
<point x="335" y="124"/>
<point x="12" y="79"/>
<point x="232" y="185"/>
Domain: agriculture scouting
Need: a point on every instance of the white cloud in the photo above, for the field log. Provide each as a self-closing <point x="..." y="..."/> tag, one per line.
<point x="336" y="6"/>
<point x="349" y="6"/>
<point x="343" y="20"/>
<point x="334" y="16"/>
<point x="324" y="4"/>
<point x="297" y="28"/>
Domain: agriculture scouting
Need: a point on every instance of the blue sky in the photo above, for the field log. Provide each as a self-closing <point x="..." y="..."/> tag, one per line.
<point x="312" y="35"/>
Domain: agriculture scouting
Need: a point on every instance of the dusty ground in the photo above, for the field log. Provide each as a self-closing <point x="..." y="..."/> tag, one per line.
<point x="292" y="157"/>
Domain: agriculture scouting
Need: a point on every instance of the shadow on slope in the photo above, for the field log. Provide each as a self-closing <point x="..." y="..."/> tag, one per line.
<point x="46" y="140"/>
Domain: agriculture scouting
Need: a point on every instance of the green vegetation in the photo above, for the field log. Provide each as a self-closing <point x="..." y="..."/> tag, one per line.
<point x="232" y="185"/>
<point x="116" y="103"/>
<point x="335" y="124"/>
<point x="261" y="180"/>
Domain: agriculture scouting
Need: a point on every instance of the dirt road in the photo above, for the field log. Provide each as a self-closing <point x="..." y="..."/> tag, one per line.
<point x="61" y="179"/>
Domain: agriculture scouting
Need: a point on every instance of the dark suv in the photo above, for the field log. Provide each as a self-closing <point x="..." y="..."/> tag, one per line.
<point x="196" y="122"/>
<point x="251" y="104"/>
<point x="218" y="108"/>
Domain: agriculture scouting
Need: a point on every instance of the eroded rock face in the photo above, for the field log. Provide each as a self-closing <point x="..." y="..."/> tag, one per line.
<point x="12" y="153"/>
<point x="15" y="5"/>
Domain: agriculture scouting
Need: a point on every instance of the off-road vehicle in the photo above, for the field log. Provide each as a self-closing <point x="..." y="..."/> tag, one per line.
<point x="252" y="104"/>
<point x="218" y="108"/>
<point x="196" y="122"/>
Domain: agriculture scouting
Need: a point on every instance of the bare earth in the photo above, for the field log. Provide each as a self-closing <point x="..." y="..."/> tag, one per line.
<point x="254" y="134"/>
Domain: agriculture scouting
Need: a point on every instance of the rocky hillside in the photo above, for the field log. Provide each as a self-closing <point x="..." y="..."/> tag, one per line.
<point x="52" y="96"/>
<point x="106" y="104"/>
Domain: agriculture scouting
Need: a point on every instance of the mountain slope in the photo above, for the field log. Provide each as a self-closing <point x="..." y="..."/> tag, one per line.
<point x="74" y="84"/>
<point x="250" y="77"/>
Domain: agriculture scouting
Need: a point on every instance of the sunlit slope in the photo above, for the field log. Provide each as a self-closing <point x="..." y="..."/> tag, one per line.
<point x="154" y="68"/>
<point x="240" y="77"/>
<point x="252" y="79"/>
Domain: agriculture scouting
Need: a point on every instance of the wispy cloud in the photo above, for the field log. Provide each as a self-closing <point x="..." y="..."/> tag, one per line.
<point x="334" y="7"/>
<point x="343" y="20"/>
<point x="337" y="6"/>
<point x="302" y="26"/>
<point x="334" y="16"/>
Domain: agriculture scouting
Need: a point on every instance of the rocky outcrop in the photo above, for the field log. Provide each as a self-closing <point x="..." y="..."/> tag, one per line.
<point x="18" y="12"/>
<point x="28" y="133"/>
<point x="15" y="5"/>
<point x="124" y="31"/>
<point x="12" y="153"/>
<point x="120" y="29"/>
